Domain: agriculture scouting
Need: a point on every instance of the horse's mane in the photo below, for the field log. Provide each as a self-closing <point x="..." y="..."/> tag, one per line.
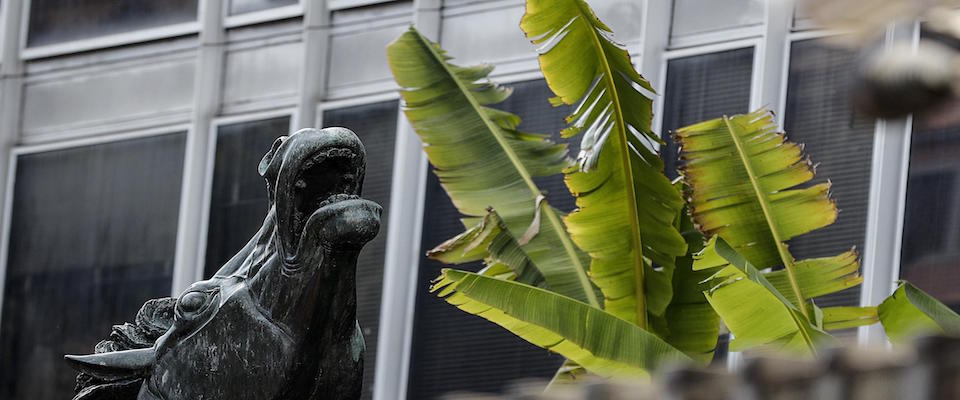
<point x="151" y="322"/>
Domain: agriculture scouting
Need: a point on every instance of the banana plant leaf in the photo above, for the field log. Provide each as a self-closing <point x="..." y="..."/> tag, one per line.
<point x="756" y="313"/>
<point x="489" y="241"/>
<point x="690" y="324"/>
<point x="598" y="341"/>
<point x="481" y="159"/>
<point x="743" y="174"/>
<point x="626" y="206"/>
<point x="910" y="312"/>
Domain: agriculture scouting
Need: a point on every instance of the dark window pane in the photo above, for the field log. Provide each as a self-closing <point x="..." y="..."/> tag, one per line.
<point x="453" y="350"/>
<point x="238" y="200"/>
<point x="57" y="21"/>
<point x="819" y="114"/>
<point x="245" y="6"/>
<point x="376" y="125"/>
<point x="931" y="233"/>
<point x="704" y="87"/>
<point x="92" y="237"/>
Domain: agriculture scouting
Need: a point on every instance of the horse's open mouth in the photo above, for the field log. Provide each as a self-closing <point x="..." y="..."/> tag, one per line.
<point x="317" y="175"/>
<point x="328" y="176"/>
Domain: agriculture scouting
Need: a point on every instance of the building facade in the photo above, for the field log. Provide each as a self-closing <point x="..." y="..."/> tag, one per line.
<point x="130" y="131"/>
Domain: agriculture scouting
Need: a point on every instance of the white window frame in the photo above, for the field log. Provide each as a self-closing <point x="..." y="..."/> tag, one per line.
<point x="101" y="42"/>
<point x="702" y="50"/>
<point x="257" y="17"/>
<point x="334" y="5"/>
<point x="18" y="151"/>
<point x="887" y="205"/>
<point x="215" y="125"/>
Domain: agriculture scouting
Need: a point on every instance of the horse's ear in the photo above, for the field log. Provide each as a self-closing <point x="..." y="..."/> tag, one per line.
<point x="115" y="365"/>
<point x="268" y="158"/>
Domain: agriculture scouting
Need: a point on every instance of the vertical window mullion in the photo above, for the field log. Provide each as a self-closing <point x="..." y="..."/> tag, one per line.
<point x="887" y="204"/>
<point x="206" y="102"/>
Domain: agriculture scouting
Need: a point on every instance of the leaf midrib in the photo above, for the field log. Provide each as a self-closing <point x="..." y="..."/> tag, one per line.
<point x="636" y="240"/>
<point x="765" y="206"/>
<point x="515" y="160"/>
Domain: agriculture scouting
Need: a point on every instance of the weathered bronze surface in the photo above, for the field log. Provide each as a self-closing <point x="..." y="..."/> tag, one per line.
<point x="277" y="321"/>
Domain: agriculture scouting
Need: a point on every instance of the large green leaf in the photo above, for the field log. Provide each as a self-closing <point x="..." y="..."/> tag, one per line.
<point x="626" y="206"/>
<point x="911" y="312"/>
<point x="752" y="307"/>
<point x="482" y="160"/>
<point x="743" y="175"/>
<point x="590" y="337"/>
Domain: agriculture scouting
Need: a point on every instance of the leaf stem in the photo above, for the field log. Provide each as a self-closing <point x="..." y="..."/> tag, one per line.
<point x="785" y="256"/>
<point x="627" y="169"/>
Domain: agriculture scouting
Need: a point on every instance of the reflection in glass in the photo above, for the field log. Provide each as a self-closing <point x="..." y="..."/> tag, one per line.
<point x="930" y="255"/>
<point x="58" y="21"/>
<point x="92" y="237"/>
<point x="238" y="200"/>
<point x="487" y="357"/>
<point x="700" y="88"/>
<point x="819" y="113"/>
<point x="246" y="6"/>
<point x="376" y="125"/>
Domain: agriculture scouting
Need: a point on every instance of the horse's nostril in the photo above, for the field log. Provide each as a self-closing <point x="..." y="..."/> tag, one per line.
<point x="192" y="302"/>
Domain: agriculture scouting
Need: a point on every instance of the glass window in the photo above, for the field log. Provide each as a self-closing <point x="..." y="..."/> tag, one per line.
<point x="92" y="237"/>
<point x="703" y="87"/>
<point x="238" y="200"/>
<point x="819" y="113"/>
<point x="690" y="18"/>
<point x="930" y="255"/>
<point x="246" y="6"/>
<point x="376" y="125"/>
<point x="487" y="357"/>
<point x="58" y="21"/>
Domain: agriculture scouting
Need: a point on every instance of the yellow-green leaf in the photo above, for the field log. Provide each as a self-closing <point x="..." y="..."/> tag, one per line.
<point x="744" y="176"/>
<point x="756" y="312"/>
<point x="910" y="312"/>
<point x="626" y="206"/>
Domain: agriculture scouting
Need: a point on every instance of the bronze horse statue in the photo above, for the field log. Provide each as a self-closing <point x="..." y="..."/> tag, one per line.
<point x="277" y="321"/>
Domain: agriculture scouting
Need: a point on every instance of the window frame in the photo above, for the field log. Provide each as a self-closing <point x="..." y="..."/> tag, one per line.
<point x="336" y="5"/>
<point x="890" y="173"/>
<point x="20" y="150"/>
<point x="706" y="49"/>
<point x="261" y="16"/>
<point x="101" y="42"/>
